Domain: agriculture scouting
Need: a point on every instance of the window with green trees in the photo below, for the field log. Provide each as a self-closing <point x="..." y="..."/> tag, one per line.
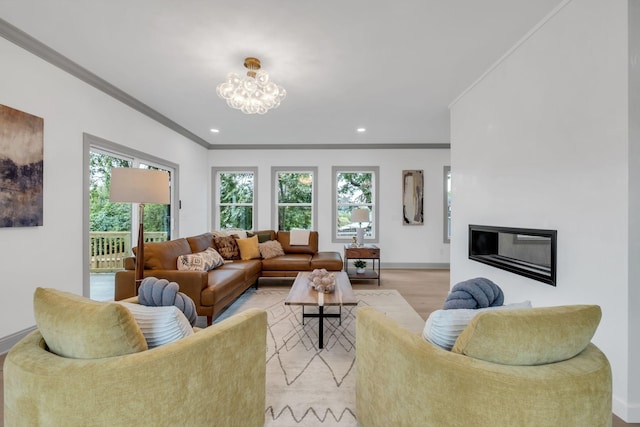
<point x="235" y="198"/>
<point x="295" y="195"/>
<point x="105" y="216"/>
<point x="354" y="187"/>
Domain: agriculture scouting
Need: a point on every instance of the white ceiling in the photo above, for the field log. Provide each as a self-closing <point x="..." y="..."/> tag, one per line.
<point x="392" y="67"/>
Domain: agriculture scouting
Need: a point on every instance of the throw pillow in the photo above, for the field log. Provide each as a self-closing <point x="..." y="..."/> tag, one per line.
<point x="248" y="248"/>
<point x="242" y="234"/>
<point x="227" y="247"/>
<point x="263" y="237"/>
<point x="77" y="327"/>
<point x="271" y="249"/>
<point x="444" y="326"/>
<point x="537" y="336"/>
<point x="201" y="261"/>
<point x="160" y="325"/>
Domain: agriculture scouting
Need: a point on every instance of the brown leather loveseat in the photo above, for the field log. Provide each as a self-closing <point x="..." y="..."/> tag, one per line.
<point x="215" y="289"/>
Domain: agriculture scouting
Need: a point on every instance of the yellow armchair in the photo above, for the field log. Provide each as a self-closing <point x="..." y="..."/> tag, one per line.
<point x="213" y="377"/>
<point x="499" y="373"/>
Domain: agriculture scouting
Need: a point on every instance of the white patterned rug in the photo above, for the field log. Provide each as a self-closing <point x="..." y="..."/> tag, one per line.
<point x="307" y="386"/>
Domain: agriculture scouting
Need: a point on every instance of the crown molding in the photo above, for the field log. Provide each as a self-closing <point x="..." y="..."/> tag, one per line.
<point x="384" y="146"/>
<point x="25" y="41"/>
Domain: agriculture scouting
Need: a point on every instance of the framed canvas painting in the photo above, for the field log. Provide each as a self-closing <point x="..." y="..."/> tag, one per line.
<point x="21" y="168"/>
<point x="412" y="197"/>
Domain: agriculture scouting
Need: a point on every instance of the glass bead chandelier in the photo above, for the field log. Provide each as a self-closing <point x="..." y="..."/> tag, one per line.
<point x="253" y="93"/>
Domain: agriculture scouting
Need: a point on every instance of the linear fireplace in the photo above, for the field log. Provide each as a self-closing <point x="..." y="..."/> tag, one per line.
<point x="528" y="252"/>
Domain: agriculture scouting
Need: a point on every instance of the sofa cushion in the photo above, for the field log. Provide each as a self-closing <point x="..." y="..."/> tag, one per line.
<point x="534" y="336"/>
<point x="200" y="242"/>
<point x="221" y="282"/>
<point x="288" y="262"/>
<point x="443" y="327"/>
<point x="330" y="261"/>
<point x="250" y="267"/>
<point x="160" y="325"/>
<point x="248" y="248"/>
<point x="164" y="255"/>
<point x="201" y="261"/>
<point x="227" y="247"/>
<point x="270" y="249"/>
<point x="311" y="248"/>
<point x="80" y="328"/>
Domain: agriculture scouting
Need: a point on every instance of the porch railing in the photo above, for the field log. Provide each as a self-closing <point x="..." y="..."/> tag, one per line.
<point x="108" y="249"/>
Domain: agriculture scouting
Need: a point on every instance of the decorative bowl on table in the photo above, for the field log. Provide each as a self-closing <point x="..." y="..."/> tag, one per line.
<point x="321" y="280"/>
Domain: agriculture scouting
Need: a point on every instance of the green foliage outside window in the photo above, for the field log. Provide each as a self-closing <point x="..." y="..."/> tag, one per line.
<point x="107" y="216"/>
<point x="236" y="199"/>
<point x="295" y="200"/>
<point x="354" y="190"/>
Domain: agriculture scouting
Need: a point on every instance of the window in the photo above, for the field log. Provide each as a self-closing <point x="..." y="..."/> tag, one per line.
<point x="354" y="187"/>
<point x="295" y="198"/>
<point x="447" y="204"/>
<point x="235" y="197"/>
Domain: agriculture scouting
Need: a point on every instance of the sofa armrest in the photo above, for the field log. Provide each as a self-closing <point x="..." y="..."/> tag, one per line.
<point x="223" y="365"/>
<point x="402" y="380"/>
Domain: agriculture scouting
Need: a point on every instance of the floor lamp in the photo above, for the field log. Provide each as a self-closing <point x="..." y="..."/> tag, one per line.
<point x="360" y="216"/>
<point x="133" y="185"/>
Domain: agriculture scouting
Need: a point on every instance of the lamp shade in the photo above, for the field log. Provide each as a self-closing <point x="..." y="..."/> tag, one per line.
<point x="133" y="185"/>
<point x="360" y="215"/>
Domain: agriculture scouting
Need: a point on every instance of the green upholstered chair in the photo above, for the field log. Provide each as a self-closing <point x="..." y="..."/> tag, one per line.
<point x="529" y="367"/>
<point x="108" y="377"/>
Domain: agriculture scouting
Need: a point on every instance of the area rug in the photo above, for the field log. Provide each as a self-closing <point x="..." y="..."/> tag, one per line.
<point x="307" y="386"/>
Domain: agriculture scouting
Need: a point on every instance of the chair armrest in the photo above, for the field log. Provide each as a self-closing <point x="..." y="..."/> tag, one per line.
<point x="402" y="380"/>
<point x="214" y="377"/>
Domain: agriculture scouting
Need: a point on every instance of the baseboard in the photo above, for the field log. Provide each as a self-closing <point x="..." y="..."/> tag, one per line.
<point x="416" y="265"/>
<point x="9" y="341"/>
<point x="629" y="413"/>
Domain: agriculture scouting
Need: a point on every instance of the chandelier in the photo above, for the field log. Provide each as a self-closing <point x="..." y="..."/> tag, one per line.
<point x="253" y="93"/>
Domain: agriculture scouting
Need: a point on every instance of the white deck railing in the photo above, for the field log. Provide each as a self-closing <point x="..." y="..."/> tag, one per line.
<point x="108" y="249"/>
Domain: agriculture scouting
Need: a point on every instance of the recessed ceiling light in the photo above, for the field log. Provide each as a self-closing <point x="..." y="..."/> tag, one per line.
<point x="215" y="130"/>
<point x="361" y="130"/>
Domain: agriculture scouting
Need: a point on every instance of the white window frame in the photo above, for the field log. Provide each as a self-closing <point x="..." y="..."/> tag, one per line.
<point x="313" y="171"/>
<point x="375" y="171"/>
<point x="215" y="175"/>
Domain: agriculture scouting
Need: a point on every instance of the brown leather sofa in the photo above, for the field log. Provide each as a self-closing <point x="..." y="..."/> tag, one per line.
<point x="214" y="290"/>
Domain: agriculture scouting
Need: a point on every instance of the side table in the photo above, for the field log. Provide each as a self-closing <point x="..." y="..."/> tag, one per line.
<point x="371" y="252"/>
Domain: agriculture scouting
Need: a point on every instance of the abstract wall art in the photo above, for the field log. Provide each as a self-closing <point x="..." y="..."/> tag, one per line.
<point x="21" y="168"/>
<point x="412" y="197"/>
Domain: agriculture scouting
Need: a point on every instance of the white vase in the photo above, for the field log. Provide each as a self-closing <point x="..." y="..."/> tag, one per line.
<point x="360" y="270"/>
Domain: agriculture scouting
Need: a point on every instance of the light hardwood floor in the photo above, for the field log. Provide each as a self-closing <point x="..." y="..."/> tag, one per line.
<point x="425" y="290"/>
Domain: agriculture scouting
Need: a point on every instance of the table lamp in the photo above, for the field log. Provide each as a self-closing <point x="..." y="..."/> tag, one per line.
<point x="133" y="185"/>
<point x="360" y="216"/>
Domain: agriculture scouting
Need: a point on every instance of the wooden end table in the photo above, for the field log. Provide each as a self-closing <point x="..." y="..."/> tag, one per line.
<point x="302" y="294"/>
<point x="362" y="252"/>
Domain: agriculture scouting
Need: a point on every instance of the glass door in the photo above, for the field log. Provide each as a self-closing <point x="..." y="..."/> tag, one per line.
<point x="113" y="227"/>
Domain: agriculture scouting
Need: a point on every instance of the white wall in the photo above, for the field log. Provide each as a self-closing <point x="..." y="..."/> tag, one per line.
<point x="541" y="141"/>
<point x="399" y="244"/>
<point x="634" y="201"/>
<point x="51" y="255"/>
